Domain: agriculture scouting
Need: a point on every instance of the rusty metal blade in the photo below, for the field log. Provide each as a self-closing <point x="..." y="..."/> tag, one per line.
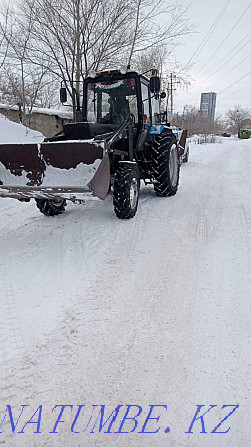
<point x="53" y="169"/>
<point x="101" y="180"/>
<point x="38" y="192"/>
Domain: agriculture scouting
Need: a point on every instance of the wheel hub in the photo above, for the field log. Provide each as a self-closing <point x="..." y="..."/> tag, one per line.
<point x="57" y="202"/>
<point x="133" y="192"/>
<point x="173" y="165"/>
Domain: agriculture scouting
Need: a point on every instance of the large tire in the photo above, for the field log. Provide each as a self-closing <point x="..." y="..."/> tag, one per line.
<point x="51" y="207"/>
<point x="126" y="191"/>
<point x="165" y="165"/>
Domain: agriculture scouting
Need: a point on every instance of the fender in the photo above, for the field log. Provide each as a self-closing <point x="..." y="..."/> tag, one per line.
<point x="157" y="130"/>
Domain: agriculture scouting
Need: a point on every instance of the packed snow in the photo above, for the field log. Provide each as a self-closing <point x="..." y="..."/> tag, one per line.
<point x="150" y="311"/>
<point x="17" y="133"/>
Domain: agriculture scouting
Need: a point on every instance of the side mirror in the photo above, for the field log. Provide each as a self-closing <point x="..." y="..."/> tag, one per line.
<point x="63" y="95"/>
<point x="154" y="84"/>
<point x="163" y="95"/>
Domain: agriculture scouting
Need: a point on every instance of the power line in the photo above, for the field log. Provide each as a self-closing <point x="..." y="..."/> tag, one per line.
<point x="236" y="46"/>
<point x="207" y="36"/>
<point x="232" y="94"/>
<point x="217" y="49"/>
<point x="236" y="82"/>
<point x="223" y="65"/>
<point x="229" y="96"/>
<point x="230" y="51"/>
<point x="229" y="72"/>
<point x="224" y="40"/>
<point x="216" y="71"/>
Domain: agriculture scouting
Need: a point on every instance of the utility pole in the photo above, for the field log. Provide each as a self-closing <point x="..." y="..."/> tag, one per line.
<point x="173" y="81"/>
<point x="171" y="93"/>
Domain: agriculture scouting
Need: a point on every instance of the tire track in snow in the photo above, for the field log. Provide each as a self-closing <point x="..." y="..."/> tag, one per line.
<point x="106" y="349"/>
<point x="140" y="316"/>
<point x="10" y="334"/>
<point x="75" y="265"/>
<point x="26" y="365"/>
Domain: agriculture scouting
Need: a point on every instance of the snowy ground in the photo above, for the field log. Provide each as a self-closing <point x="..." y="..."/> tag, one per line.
<point x="155" y="310"/>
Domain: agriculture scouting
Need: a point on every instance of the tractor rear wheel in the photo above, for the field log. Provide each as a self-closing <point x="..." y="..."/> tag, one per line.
<point x="51" y="207"/>
<point x="126" y="191"/>
<point x="166" y="165"/>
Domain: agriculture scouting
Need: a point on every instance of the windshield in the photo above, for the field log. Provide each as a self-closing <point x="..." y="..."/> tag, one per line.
<point x="111" y="102"/>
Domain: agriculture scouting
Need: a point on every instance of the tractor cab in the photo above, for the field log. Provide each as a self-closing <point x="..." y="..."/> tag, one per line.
<point x="111" y="97"/>
<point x="110" y="100"/>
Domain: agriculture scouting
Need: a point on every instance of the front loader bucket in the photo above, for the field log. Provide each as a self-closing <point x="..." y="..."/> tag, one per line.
<point x="61" y="169"/>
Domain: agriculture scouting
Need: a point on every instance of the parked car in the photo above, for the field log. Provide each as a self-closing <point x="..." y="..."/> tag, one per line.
<point x="245" y="134"/>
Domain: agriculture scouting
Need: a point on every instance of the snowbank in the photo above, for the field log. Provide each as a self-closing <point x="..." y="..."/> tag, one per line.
<point x="11" y="132"/>
<point x="62" y="113"/>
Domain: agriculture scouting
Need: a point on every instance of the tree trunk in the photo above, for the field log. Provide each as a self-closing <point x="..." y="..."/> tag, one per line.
<point x="78" y="62"/>
<point x="78" y="51"/>
<point x="23" y="86"/>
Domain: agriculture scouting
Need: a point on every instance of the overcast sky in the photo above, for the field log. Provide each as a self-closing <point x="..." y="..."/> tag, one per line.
<point x="229" y="67"/>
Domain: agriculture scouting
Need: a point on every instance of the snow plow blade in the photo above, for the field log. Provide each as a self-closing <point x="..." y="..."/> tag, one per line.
<point x="54" y="170"/>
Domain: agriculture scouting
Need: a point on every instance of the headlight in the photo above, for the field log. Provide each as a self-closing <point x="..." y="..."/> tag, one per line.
<point x="123" y="69"/>
<point x="92" y="74"/>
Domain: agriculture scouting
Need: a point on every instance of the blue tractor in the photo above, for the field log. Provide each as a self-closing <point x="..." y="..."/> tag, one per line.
<point x="120" y="137"/>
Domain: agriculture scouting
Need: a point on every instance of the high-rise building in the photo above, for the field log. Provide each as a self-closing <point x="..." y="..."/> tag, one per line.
<point x="207" y="105"/>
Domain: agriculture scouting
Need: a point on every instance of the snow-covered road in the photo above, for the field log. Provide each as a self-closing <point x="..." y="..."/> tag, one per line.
<point x="155" y="310"/>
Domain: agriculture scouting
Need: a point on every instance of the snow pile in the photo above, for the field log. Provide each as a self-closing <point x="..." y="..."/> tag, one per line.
<point x="54" y="177"/>
<point x="11" y="132"/>
<point x="62" y="113"/>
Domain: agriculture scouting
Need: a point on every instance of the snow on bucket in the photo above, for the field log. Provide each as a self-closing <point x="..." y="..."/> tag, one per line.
<point x="67" y="169"/>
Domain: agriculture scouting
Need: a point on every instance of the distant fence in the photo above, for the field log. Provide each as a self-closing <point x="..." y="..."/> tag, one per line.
<point x="205" y="139"/>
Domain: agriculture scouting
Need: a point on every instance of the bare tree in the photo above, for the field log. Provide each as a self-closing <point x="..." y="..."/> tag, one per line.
<point x="237" y="118"/>
<point x="196" y="123"/>
<point x="189" y="119"/>
<point x="156" y="23"/>
<point x="68" y="38"/>
<point x="36" y="88"/>
<point x="4" y="46"/>
<point x="21" y="80"/>
<point x="74" y="36"/>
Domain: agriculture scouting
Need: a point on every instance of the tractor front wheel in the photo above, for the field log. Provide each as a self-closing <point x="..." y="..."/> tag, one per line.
<point x="51" y="207"/>
<point x="126" y="191"/>
<point x="166" y="165"/>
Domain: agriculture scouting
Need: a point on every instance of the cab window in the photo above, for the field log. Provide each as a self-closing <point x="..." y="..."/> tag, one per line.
<point x="146" y="102"/>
